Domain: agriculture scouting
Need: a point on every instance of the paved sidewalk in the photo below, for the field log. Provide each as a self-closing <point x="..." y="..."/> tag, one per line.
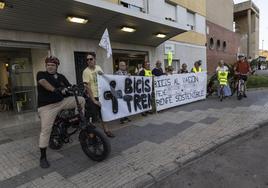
<point x="144" y="151"/>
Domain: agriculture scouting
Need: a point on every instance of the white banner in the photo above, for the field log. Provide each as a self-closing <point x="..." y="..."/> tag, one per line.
<point x="178" y="89"/>
<point x="122" y="96"/>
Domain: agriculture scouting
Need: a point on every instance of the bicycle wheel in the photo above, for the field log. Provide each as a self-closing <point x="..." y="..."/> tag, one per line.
<point x="221" y="94"/>
<point x="233" y="87"/>
<point x="239" y="94"/>
<point x="94" y="144"/>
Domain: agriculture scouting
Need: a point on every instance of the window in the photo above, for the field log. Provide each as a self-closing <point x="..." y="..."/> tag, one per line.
<point x="224" y="46"/>
<point x="211" y="43"/>
<point x="218" y="44"/>
<point x="190" y="20"/>
<point x="169" y="11"/>
<point x="137" y="5"/>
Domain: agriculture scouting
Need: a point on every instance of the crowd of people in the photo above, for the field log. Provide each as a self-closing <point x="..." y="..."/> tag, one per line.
<point x="52" y="86"/>
<point x="52" y="96"/>
<point x="241" y="70"/>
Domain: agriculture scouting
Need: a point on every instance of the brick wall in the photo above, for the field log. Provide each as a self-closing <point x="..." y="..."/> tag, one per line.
<point x="215" y="54"/>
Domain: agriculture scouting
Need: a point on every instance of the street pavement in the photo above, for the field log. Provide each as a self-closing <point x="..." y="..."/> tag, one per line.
<point x="144" y="152"/>
<point x="239" y="163"/>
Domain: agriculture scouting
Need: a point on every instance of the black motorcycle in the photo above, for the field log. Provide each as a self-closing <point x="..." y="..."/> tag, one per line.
<point x="93" y="142"/>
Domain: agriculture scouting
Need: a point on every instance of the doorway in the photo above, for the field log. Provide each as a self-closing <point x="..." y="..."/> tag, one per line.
<point x="132" y="59"/>
<point x="17" y="83"/>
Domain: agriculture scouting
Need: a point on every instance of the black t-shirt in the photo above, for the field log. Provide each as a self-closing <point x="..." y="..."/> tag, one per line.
<point x="142" y="73"/>
<point x="46" y="97"/>
<point x="157" y="72"/>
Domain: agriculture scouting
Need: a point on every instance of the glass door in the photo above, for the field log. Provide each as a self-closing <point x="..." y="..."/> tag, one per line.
<point x="22" y="82"/>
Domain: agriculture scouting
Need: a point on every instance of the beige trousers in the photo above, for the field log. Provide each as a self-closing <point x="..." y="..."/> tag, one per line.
<point x="48" y="115"/>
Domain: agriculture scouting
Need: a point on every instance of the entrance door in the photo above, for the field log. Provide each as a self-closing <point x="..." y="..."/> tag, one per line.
<point x="22" y="82"/>
<point x="80" y="65"/>
<point x="132" y="59"/>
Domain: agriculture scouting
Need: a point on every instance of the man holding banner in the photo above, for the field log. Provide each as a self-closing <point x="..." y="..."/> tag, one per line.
<point x="158" y="71"/>
<point x="123" y="71"/>
<point x="93" y="105"/>
<point x="197" y="67"/>
<point x="148" y="73"/>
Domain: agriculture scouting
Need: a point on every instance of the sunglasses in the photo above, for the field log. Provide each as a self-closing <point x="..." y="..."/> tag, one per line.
<point x="89" y="59"/>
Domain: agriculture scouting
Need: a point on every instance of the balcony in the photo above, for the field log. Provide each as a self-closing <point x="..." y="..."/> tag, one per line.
<point x="50" y="17"/>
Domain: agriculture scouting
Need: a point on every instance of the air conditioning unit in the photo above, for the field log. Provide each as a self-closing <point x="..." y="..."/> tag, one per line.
<point x="170" y="19"/>
<point x="191" y="27"/>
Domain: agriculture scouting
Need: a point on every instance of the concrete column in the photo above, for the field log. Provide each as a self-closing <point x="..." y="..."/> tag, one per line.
<point x="249" y="33"/>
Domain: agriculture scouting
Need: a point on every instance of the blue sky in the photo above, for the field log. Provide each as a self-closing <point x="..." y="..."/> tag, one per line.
<point x="262" y="4"/>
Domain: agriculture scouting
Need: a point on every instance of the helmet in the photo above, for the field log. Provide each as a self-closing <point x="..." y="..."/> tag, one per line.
<point x="52" y="59"/>
<point x="241" y="55"/>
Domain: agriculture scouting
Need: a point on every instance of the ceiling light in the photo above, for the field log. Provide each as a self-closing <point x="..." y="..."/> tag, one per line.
<point x="2" y="4"/>
<point x="160" y="35"/>
<point x="6" y="64"/>
<point x="128" y="29"/>
<point x="77" y="20"/>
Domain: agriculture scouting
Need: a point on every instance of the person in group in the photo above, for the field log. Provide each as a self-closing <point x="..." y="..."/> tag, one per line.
<point x="197" y="67"/>
<point x="158" y="71"/>
<point x="138" y="69"/>
<point x="242" y="68"/>
<point x="183" y="69"/>
<point x="52" y="98"/>
<point x="123" y="71"/>
<point x="6" y="99"/>
<point x="92" y="102"/>
<point x="146" y="72"/>
<point x="169" y="70"/>
<point x="222" y="75"/>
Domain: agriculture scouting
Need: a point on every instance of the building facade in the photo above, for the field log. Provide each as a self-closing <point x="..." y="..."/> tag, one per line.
<point x="32" y="30"/>
<point x="222" y="42"/>
<point x="189" y="46"/>
<point x="246" y="18"/>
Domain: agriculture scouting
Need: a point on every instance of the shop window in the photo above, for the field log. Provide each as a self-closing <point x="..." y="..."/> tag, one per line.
<point x="224" y="46"/>
<point x="218" y="45"/>
<point x="211" y="43"/>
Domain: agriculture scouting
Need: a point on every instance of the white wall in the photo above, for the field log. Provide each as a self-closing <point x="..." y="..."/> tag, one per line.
<point x="161" y="9"/>
<point x="200" y="24"/>
<point x="186" y="53"/>
<point x="182" y="15"/>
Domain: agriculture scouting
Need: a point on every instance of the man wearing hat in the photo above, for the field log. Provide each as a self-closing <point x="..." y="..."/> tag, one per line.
<point x="52" y="98"/>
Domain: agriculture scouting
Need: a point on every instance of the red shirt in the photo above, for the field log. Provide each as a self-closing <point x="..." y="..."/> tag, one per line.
<point x="242" y="67"/>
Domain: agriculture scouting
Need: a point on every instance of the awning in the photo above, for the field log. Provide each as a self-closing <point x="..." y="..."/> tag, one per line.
<point x="49" y="16"/>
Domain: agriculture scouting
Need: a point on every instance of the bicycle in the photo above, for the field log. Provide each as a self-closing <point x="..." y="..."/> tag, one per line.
<point x="93" y="142"/>
<point x="240" y="87"/>
<point x="223" y="82"/>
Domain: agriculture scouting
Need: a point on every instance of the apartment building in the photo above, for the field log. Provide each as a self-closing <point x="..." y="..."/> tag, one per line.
<point x="139" y="29"/>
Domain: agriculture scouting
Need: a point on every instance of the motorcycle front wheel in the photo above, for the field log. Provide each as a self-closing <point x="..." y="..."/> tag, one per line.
<point x="94" y="144"/>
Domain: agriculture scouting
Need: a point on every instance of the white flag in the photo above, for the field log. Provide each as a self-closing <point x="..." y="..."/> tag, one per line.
<point x="105" y="43"/>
